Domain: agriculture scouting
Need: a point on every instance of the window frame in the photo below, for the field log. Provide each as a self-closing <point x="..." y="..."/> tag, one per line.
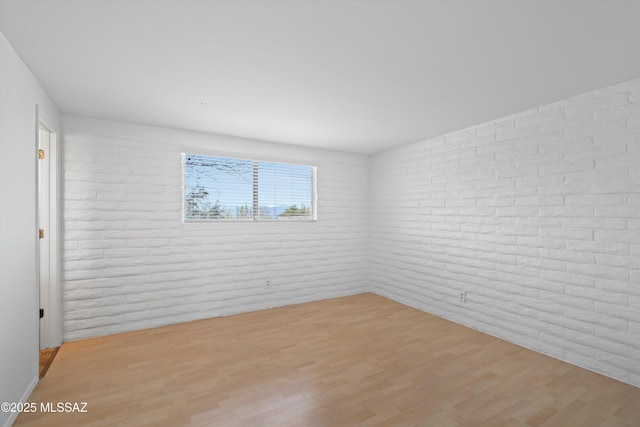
<point x="255" y="189"/>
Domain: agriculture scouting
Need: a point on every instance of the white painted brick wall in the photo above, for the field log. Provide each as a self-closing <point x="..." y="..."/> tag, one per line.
<point x="536" y="216"/>
<point x="130" y="263"/>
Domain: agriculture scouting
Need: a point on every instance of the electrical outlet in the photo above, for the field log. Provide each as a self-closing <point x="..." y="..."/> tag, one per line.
<point x="462" y="296"/>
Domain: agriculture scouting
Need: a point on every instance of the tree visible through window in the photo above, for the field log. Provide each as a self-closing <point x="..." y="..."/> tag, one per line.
<point x="222" y="188"/>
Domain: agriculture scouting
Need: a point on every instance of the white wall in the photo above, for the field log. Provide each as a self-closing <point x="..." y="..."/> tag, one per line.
<point x="536" y="216"/>
<point x="130" y="263"/>
<point x="19" y="328"/>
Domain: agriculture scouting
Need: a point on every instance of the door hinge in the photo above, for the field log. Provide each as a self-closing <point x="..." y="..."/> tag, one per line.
<point x="41" y="313"/>
<point x="41" y="154"/>
<point x="41" y="233"/>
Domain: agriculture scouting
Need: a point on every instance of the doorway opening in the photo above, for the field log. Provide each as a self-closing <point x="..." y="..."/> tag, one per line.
<point x="48" y="253"/>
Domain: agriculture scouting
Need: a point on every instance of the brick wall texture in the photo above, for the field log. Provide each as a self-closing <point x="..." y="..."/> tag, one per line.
<point x="535" y="216"/>
<point x="129" y="262"/>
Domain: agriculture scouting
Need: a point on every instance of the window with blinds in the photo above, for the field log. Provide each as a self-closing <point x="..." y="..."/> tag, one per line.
<point x="222" y="188"/>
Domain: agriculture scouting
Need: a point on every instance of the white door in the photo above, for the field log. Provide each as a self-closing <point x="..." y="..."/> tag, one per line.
<point x="44" y="208"/>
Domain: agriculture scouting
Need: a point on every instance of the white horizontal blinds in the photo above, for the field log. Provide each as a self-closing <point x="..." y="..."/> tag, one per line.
<point x="217" y="188"/>
<point x="256" y="213"/>
<point x="221" y="188"/>
<point x="285" y="191"/>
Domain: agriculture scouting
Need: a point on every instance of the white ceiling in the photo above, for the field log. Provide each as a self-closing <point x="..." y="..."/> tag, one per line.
<point x="358" y="76"/>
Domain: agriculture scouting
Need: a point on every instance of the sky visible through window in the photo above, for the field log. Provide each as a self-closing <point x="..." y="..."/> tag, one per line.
<point x="226" y="188"/>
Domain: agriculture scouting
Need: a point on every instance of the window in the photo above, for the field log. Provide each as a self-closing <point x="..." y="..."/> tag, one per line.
<point x="222" y="188"/>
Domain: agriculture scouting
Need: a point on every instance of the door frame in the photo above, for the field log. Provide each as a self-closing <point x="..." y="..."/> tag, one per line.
<point x="51" y="324"/>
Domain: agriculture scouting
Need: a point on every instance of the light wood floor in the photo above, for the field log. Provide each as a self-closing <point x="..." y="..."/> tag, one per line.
<point x="355" y="361"/>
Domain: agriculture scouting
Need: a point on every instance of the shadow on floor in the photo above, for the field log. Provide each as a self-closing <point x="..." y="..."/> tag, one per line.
<point x="46" y="357"/>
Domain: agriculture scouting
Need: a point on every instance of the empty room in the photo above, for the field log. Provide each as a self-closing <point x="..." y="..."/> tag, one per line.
<point x="319" y="213"/>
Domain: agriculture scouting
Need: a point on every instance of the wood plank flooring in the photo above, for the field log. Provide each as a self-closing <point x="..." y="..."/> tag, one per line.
<point x="361" y="360"/>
